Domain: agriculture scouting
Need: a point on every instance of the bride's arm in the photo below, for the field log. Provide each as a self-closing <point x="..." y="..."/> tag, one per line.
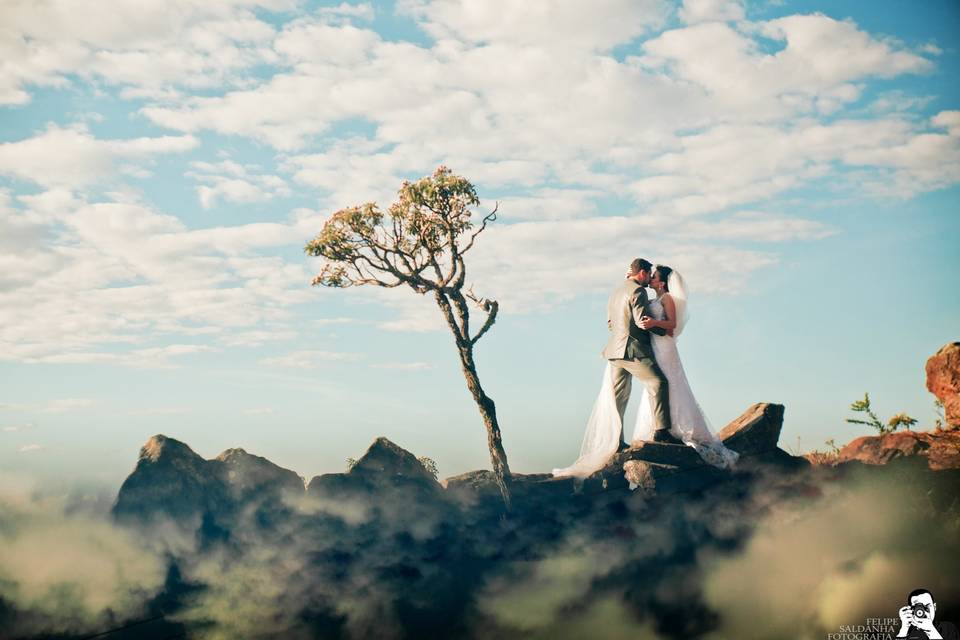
<point x="670" y="311"/>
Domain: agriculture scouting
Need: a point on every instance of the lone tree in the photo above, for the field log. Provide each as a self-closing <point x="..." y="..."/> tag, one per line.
<point x="420" y="242"/>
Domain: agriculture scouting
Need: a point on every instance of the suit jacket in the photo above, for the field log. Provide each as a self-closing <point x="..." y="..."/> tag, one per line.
<point x="626" y="305"/>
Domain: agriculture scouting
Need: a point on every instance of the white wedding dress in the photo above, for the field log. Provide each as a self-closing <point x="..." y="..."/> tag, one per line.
<point x="688" y="422"/>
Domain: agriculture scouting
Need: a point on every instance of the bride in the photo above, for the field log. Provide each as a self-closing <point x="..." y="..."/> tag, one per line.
<point x="688" y="423"/>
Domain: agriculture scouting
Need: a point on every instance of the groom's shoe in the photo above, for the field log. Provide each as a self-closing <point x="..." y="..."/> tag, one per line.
<point x="665" y="437"/>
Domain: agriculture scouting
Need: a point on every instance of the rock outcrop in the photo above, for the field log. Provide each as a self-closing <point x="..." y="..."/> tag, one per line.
<point x="247" y="474"/>
<point x="940" y="448"/>
<point x="384" y="468"/>
<point x="172" y="481"/>
<point x="756" y="432"/>
<point x="943" y="381"/>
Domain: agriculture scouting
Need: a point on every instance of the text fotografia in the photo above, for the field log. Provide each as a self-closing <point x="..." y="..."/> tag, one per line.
<point x="873" y="629"/>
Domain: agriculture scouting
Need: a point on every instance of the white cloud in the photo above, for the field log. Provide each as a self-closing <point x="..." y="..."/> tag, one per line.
<point x="601" y="24"/>
<point x="722" y="115"/>
<point x="308" y="359"/>
<point x="311" y="41"/>
<point x="116" y="272"/>
<point x="551" y="263"/>
<point x="256" y="337"/>
<point x="812" y="73"/>
<point x="694" y="11"/>
<point x="756" y="226"/>
<point x="550" y="204"/>
<point x="233" y="182"/>
<point x="143" y="44"/>
<point x="735" y="165"/>
<point x="73" y="157"/>
<point x="363" y="11"/>
<point x="31" y="448"/>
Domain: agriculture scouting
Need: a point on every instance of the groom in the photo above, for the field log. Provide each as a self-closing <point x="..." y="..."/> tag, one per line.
<point x="629" y="350"/>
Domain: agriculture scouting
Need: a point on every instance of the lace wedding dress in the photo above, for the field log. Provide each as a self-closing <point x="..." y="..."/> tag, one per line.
<point x="687" y="420"/>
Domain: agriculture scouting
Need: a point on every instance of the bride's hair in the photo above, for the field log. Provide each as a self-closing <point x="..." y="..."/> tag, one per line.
<point x="664" y="271"/>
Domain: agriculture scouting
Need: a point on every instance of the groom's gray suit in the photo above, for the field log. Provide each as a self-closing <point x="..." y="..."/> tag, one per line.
<point x="630" y="353"/>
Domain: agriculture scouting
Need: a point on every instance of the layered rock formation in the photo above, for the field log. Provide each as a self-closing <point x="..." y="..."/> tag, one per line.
<point x="943" y="381"/>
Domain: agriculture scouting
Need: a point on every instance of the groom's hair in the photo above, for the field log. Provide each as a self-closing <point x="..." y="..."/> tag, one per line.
<point x="638" y="265"/>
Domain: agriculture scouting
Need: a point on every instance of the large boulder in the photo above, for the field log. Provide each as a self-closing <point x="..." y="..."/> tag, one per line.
<point x="943" y="381"/>
<point x="756" y="432"/>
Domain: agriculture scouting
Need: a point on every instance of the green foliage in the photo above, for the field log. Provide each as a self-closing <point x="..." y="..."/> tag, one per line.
<point x="430" y="466"/>
<point x="938" y="412"/>
<point x="830" y="457"/>
<point x="351" y="463"/>
<point x="894" y="423"/>
<point x="901" y="420"/>
<point x="419" y="241"/>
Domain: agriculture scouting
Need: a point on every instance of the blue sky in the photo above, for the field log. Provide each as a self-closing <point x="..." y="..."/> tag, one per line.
<point x="161" y="170"/>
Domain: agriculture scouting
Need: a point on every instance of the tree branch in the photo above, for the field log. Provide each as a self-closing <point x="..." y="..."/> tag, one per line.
<point x="490" y="217"/>
<point x="444" y="305"/>
<point x="491" y="307"/>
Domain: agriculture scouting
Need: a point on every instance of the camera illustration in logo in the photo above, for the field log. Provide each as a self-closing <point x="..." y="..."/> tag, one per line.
<point x="917" y="619"/>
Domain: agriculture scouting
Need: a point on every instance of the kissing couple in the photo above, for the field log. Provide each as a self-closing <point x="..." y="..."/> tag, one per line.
<point x="643" y="345"/>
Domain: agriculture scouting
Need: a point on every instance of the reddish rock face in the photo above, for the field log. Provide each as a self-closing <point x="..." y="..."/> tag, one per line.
<point x="943" y="381"/>
<point x="942" y="449"/>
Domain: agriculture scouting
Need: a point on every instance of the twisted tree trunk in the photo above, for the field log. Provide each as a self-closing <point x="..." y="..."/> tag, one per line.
<point x="488" y="410"/>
